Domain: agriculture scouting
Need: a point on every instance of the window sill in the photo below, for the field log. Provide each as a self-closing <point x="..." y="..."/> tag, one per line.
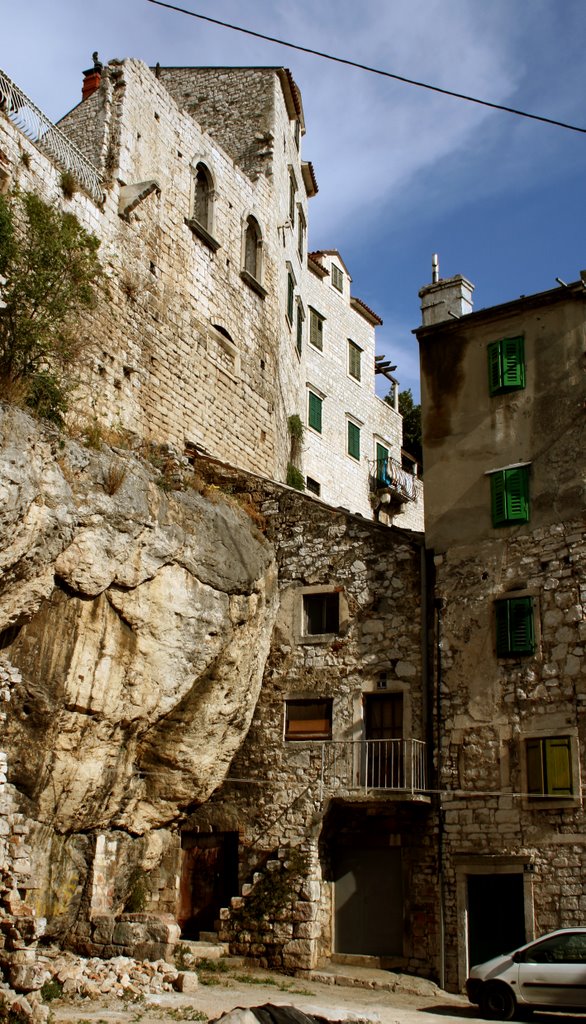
<point x="308" y="739"/>
<point x="316" y="638"/>
<point x="543" y="802"/>
<point x="253" y="283"/>
<point x="204" y="235"/>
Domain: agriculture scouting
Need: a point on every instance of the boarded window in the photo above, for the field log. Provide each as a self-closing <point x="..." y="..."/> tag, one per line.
<point x="549" y="766"/>
<point x="506" y="365"/>
<point x="337" y="278"/>
<point x="509" y="489"/>
<point x="321" y="613"/>
<point x="354" y="359"/>
<point x="316" y="329"/>
<point x="299" y="331"/>
<point x="308" y="719"/>
<point x="515" y="632"/>
<point x="290" y="296"/>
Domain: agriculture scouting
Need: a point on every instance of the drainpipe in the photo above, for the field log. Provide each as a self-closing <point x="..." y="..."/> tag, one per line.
<point x="438" y="602"/>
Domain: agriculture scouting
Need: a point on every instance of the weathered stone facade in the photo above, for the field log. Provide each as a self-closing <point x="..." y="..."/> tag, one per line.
<point x="196" y="342"/>
<point x="511" y="725"/>
<point x="119" y="737"/>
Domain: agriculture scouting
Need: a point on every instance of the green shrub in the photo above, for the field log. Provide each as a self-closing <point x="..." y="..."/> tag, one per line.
<point x="52" y="273"/>
<point x="295" y="477"/>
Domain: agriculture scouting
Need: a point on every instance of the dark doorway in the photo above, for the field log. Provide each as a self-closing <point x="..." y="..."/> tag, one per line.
<point x="209" y="878"/>
<point x="383" y="727"/>
<point x="496" y="915"/>
<point x="368" y="890"/>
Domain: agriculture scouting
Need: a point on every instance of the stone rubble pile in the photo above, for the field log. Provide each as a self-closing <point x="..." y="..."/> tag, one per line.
<point x="120" y="976"/>
<point x="93" y="978"/>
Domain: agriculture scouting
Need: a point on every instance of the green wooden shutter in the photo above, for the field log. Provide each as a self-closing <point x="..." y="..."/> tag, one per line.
<point x="521" y="632"/>
<point x="514" y="626"/>
<point x="314" y="418"/>
<point x="494" y="368"/>
<point x="509" y="491"/>
<point x="517" y="494"/>
<point x="498" y="498"/>
<point x="513" y="363"/>
<point x="502" y="629"/>
<point x="535" y="776"/>
<point x="290" y="297"/>
<point x="382" y="455"/>
<point x="558" y="766"/>
<point x="299" y="330"/>
<point x="353" y="440"/>
<point x="506" y="365"/>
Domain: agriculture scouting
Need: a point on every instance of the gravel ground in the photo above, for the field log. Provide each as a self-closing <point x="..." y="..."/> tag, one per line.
<point x="224" y="991"/>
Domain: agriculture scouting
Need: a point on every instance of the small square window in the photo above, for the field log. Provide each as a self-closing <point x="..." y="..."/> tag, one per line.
<point x="314" y="417"/>
<point x="506" y="365"/>
<point x="549" y="766"/>
<point x="337" y="278"/>
<point x="515" y="633"/>
<point x="353" y="440"/>
<point x="316" y="329"/>
<point x="308" y="719"/>
<point x="321" y="613"/>
<point x="313" y="486"/>
<point x="509" y="490"/>
<point x="354" y="354"/>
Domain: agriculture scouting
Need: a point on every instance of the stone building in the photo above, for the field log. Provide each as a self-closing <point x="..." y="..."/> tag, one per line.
<point x="193" y="180"/>
<point x="181" y="638"/>
<point x="353" y="438"/>
<point x="503" y="400"/>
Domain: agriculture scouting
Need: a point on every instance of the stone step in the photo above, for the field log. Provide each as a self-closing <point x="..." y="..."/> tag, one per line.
<point x="205" y="950"/>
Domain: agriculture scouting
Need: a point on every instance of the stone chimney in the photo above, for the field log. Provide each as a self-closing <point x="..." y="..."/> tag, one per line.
<point x="92" y="78"/>
<point x="445" y="298"/>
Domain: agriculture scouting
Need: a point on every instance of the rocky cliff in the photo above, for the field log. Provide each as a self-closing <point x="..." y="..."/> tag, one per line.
<point x="135" y="619"/>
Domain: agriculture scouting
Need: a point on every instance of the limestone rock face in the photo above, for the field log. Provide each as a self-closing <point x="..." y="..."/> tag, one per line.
<point x="136" y="622"/>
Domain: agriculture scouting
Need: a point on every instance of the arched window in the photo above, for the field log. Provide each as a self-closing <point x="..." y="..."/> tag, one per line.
<point x="252" y="248"/>
<point x="203" y="197"/>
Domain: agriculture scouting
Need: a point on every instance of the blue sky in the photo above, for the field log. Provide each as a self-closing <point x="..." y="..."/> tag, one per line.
<point x="402" y="172"/>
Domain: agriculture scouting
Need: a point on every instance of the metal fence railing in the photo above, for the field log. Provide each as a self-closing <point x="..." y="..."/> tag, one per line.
<point x="364" y="765"/>
<point x="37" y="127"/>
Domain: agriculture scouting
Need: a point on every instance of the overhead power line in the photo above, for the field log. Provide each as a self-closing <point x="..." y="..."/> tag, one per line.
<point x="371" y="70"/>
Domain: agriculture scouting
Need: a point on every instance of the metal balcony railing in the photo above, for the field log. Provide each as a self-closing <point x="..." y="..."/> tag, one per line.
<point x="374" y="765"/>
<point x="388" y="475"/>
<point x="37" y="127"/>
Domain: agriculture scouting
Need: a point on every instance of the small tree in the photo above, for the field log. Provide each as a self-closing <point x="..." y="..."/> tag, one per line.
<point x="52" y="273"/>
<point x="411" y="414"/>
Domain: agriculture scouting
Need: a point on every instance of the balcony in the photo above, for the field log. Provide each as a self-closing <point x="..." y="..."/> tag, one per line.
<point x="388" y="479"/>
<point x="371" y="768"/>
<point x="37" y="127"/>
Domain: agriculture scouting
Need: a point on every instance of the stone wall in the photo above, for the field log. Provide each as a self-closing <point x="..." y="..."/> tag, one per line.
<point x="157" y="364"/>
<point x="489" y="714"/>
<point x="290" y="799"/>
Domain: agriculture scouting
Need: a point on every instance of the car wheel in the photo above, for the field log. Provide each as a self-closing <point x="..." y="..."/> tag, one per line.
<point x="497" y="1002"/>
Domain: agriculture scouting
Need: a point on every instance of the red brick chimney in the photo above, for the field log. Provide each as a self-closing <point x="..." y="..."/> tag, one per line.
<point x="92" y="78"/>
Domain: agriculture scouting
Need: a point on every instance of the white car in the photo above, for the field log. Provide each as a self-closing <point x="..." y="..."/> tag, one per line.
<point x="548" y="974"/>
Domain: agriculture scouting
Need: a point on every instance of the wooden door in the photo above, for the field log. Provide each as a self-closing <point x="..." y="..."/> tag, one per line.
<point x="209" y="878"/>
<point x="383" y="726"/>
